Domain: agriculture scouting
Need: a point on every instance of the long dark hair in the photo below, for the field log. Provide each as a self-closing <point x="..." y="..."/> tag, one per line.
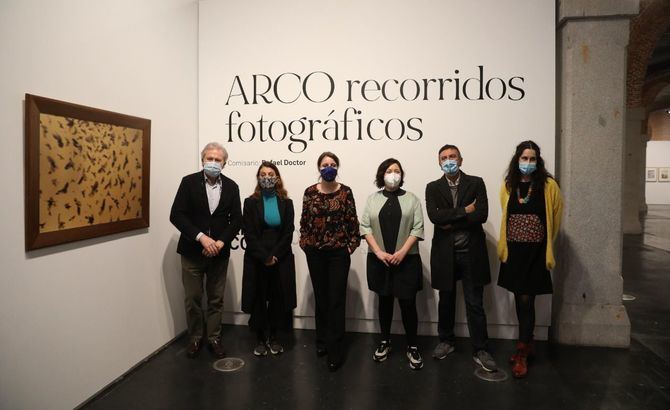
<point x="281" y="191"/>
<point x="537" y="178"/>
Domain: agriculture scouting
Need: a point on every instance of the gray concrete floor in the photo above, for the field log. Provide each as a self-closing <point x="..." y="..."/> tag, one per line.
<point x="657" y="227"/>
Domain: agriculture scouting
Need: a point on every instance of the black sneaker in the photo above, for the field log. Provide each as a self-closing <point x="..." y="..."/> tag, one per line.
<point x="261" y="350"/>
<point x="485" y="361"/>
<point x="414" y="357"/>
<point x="275" y="347"/>
<point x="382" y="352"/>
<point x="442" y="350"/>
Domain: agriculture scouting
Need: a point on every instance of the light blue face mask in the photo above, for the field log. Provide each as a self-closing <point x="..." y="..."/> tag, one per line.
<point x="527" y="168"/>
<point x="212" y="169"/>
<point x="450" y="166"/>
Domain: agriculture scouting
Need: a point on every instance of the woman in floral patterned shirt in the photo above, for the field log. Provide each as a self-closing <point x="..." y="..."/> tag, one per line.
<point x="329" y="233"/>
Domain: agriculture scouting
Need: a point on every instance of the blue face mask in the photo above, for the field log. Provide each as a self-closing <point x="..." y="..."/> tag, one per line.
<point x="527" y="168"/>
<point x="212" y="169"/>
<point x="328" y="173"/>
<point x="450" y="166"/>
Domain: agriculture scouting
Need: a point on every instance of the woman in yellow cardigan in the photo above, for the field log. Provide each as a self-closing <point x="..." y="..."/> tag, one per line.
<point x="531" y="205"/>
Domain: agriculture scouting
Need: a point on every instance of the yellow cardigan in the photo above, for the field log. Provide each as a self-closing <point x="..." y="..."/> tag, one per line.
<point x="554" y="208"/>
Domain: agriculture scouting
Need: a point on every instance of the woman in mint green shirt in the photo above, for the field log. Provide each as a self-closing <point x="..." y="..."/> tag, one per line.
<point x="392" y="224"/>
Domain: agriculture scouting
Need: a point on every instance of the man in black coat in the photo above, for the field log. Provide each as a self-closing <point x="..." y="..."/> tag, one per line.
<point x="206" y="210"/>
<point x="457" y="204"/>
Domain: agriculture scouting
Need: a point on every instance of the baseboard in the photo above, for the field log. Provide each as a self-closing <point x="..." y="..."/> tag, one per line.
<point x="496" y="331"/>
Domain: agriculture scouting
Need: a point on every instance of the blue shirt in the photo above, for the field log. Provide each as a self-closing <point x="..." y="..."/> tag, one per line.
<point x="271" y="209"/>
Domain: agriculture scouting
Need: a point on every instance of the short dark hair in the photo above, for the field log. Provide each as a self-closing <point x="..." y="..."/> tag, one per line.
<point x="449" y="146"/>
<point x="327" y="154"/>
<point x="381" y="170"/>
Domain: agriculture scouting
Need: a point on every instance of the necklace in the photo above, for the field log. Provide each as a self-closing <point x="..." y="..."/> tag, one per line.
<point x="525" y="199"/>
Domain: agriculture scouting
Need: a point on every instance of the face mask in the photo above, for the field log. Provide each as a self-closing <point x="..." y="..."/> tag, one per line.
<point x="450" y="166"/>
<point x="267" y="182"/>
<point x="328" y="173"/>
<point x="527" y="168"/>
<point x="392" y="180"/>
<point x="212" y="169"/>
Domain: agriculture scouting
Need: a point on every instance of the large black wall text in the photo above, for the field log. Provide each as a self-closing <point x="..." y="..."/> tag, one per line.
<point x="349" y="124"/>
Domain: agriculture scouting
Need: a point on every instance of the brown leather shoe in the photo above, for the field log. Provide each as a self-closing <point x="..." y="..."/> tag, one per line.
<point x="216" y="347"/>
<point x="193" y="348"/>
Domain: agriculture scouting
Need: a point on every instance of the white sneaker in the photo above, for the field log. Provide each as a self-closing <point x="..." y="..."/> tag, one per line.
<point x="382" y="352"/>
<point x="414" y="357"/>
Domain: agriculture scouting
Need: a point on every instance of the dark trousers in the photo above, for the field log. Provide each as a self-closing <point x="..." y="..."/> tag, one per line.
<point x="267" y="314"/>
<point x="329" y="270"/>
<point x="210" y="272"/>
<point x="474" y="306"/>
<point x="525" y="313"/>
<point x="410" y="319"/>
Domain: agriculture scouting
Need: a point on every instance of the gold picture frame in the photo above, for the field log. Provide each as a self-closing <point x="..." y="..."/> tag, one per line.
<point x="86" y="172"/>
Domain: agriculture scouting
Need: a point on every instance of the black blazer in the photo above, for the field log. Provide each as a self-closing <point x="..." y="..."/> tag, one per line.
<point x="256" y="254"/>
<point x="190" y="214"/>
<point x="441" y="211"/>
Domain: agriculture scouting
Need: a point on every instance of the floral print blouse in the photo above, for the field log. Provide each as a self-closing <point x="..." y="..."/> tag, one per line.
<point x="329" y="221"/>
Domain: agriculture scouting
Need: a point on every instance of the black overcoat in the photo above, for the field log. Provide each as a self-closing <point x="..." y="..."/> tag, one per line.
<point x="441" y="212"/>
<point x="190" y="214"/>
<point x="256" y="254"/>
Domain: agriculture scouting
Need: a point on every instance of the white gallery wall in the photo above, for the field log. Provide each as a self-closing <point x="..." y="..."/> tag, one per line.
<point x="285" y="81"/>
<point x="75" y="317"/>
<point x="658" y="156"/>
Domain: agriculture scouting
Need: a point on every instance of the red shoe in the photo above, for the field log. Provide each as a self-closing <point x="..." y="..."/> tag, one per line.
<point x="521" y="349"/>
<point x="520" y="367"/>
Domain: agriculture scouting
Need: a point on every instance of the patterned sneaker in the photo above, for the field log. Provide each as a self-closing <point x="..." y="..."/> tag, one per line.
<point x="260" y="350"/>
<point x="442" y="350"/>
<point x="485" y="361"/>
<point x="414" y="357"/>
<point x="382" y="352"/>
<point x="275" y="347"/>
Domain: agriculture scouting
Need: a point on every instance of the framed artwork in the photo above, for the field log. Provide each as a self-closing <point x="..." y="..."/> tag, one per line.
<point x="86" y="172"/>
<point x="664" y="175"/>
<point x="652" y="175"/>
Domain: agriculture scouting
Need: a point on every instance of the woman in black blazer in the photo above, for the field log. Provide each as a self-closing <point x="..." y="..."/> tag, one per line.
<point x="268" y="281"/>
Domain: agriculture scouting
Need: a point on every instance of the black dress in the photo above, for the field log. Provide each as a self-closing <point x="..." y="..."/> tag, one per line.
<point x="525" y="271"/>
<point x="402" y="281"/>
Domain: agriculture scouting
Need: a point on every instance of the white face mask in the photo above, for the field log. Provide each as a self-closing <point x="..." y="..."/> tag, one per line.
<point x="392" y="180"/>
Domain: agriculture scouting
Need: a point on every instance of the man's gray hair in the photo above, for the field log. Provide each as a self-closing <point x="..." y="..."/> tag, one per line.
<point x="214" y="145"/>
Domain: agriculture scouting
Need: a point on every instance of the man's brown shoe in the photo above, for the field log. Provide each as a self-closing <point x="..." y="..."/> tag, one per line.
<point x="216" y="348"/>
<point x="193" y="348"/>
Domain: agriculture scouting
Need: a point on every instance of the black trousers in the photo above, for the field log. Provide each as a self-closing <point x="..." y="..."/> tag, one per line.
<point x="267" y="314"/>
<point x="525" y="314"/>
<point x="329" y="270"/>
<point x="474" y="306"/>
<point x="410" y="319"/>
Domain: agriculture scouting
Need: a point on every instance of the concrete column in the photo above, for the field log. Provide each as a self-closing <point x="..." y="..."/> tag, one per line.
<point x="634" y="169"/>
<point x="592" y="36"/>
